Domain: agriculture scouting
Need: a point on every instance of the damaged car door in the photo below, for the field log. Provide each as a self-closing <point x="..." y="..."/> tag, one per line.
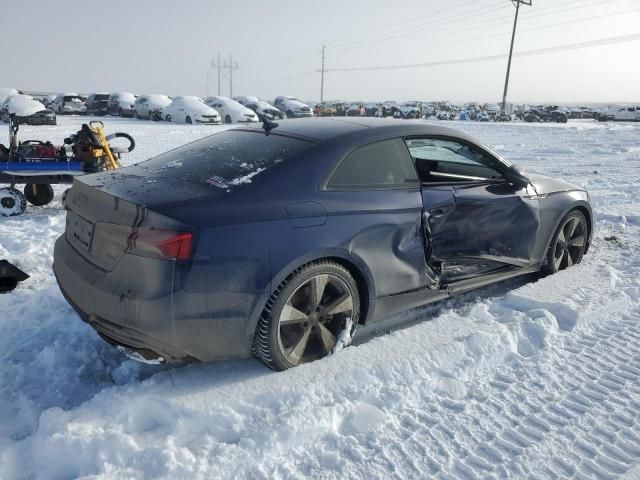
<point x="476" y="221"/>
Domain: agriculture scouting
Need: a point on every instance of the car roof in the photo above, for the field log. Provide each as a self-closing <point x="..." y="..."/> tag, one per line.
<point x="323" y="128"/>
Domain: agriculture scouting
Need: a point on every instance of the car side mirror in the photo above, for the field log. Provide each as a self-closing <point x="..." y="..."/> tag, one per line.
<point x="516" y="177"/>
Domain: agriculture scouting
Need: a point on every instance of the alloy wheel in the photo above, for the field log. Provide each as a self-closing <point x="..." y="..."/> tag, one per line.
<point x="313" y="318"/>
<point x="570" y="243"/>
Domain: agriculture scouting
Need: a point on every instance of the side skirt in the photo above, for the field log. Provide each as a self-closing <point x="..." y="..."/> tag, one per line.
<point x="385" y="316"/>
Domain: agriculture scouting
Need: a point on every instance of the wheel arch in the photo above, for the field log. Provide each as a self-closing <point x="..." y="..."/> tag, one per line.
<point x="352" y="263"/>
<point x="583" y="207"/>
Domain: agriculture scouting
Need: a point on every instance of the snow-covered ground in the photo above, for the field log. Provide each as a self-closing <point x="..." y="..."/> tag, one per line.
<point x="527" y="379"/>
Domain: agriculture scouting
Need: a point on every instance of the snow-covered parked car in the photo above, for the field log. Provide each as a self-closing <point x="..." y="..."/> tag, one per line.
<point x="231" y="111"/>
<point x="408" y="110"/>
<point x="246" y="99"/>
<point x="69" y="103"/>
<point x="26" y="110"/>
<point x="150" y="106"/>
<point x="97" y="104"/>
<point x="292" y="107"/>
<point x="190" y="110"/>
<point x="265" y="109"/>
<point x="122" y="104"/>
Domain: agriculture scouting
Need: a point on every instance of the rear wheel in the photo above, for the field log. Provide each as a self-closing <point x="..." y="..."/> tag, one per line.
<point x="569" y="242"/>
<point x="227" y="119"/>
<point x="167" y="118"/>
<point x="188" y="119"/>
<point x="312" y="314"/>
<point x="38" y="194"/>
<point x="12" y="202"/>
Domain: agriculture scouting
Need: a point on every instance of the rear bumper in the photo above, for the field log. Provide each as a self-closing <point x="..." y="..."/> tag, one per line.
<point x="141" y="305"/>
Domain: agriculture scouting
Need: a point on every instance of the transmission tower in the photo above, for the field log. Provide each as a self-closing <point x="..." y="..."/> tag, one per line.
<point x="225" y="71"/>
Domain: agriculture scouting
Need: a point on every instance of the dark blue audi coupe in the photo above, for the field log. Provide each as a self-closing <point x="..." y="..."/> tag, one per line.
<point x="279" y="240"/>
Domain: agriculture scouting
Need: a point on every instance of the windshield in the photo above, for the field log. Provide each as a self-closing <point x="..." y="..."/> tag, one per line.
<point x="226" y="159"/>
<point x="72" y="99"/>
<point x="101" y="96"/>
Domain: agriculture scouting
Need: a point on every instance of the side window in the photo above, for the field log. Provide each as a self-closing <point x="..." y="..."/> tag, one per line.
<point x="439" y="160"/>
<point x="385" y="164"/>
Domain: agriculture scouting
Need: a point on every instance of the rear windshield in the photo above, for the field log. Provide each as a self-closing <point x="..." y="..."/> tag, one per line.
<point x="226" y="159"/>
<point x="72" y="98"/>
<point x="101" y="97"/>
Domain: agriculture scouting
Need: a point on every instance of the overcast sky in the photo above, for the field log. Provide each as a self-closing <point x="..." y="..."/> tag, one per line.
<point x="166" y="46"/>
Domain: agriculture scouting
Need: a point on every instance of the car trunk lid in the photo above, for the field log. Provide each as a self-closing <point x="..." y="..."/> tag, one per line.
<point x="105" y="211"/>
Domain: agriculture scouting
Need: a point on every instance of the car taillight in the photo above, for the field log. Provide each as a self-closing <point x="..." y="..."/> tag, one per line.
<point x="162" y="244"/>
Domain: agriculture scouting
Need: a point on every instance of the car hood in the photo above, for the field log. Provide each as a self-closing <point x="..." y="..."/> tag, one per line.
<point x="544" y="184"/>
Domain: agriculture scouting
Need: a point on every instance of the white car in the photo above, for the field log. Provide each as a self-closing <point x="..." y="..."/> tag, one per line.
<point x="122" y="103"/>
<point x="625" y="114"/>
<point x="69" y="103"/>
<point x="150" y="106"/>
<point x="293" y="107"/>
<point x="190" y="110"/>
<point x="232" y="111"/>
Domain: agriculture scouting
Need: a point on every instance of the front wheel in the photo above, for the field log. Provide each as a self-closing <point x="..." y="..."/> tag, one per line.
<point x="312" y="314"/>
<point x="227" y="119"/>
<point x="569" y="242"/>
<point x="188" y="120"/>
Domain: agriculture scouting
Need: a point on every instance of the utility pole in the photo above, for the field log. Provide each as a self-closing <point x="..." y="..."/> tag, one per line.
<point x="513" y="36"/>
<point x="322" y="76"/>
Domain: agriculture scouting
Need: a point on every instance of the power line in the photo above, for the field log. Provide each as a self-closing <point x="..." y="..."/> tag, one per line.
<point x="480" y="25"/>
<point x="526" y="53"/>
<point x="438" y="22"/>
<point x="502" y="34"/>
<point x="339" y="40"/>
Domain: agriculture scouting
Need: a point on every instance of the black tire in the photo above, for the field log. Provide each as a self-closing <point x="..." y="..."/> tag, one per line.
<point x="188" y="120"/>
<point x="284" y="326"/>
<point x="38" y="194"/>
<point x="290" y="114"/>
<point x="568" y="244"/>
<point x="12" y="202"/>
<point x="227" y="119"/>
<point x="167" y="118"/>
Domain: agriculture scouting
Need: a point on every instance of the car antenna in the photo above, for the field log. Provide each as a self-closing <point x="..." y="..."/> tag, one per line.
<point x="268" y="125"/>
